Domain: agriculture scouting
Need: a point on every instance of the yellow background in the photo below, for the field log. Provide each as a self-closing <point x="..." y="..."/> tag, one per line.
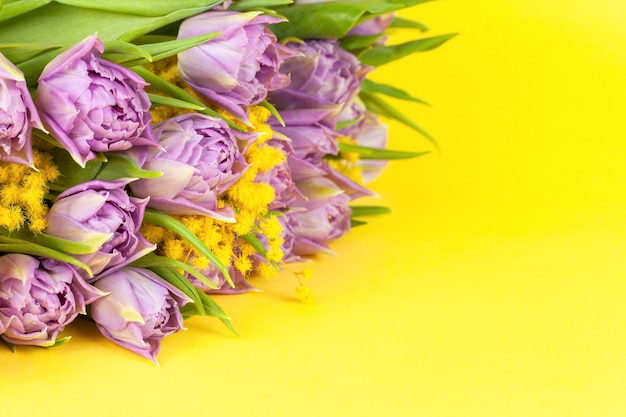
<point x="497" y="288"/>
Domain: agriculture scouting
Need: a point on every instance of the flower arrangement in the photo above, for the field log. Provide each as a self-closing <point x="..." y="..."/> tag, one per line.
<point x="153" y="153"/>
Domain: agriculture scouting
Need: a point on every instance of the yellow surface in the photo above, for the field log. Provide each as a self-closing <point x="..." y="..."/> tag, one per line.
<point x="497" y="288"/>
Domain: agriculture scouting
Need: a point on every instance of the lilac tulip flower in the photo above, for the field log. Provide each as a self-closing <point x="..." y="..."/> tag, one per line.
<point x="311" y="144"/>
<point x="38" y="298"/>
<point x="18" y="115"/>
<point x="102" y="215"/>
<point x="92" y="105"/>
<point x="201" y="161"/>
<point x="237" y="69"/>
<point x="322" y="218"/>
<point x="140" y="310"/>
<point x="324" y="78"/>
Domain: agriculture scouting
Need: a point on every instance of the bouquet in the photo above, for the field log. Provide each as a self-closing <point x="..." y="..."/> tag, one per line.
<point x="154" y="153"/>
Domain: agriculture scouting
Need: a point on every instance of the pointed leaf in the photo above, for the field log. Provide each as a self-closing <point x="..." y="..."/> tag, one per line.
<point x="318" y="20"/>
<point x="367" y="153"/>
<point x="11" y="10"/>
<point x="78" y="23"/>
<point x="356" y="223"/>
<point x="151" y="260"/>
<point x="377" y="105"/>
<point x="162" y="219"/>
<point x="123" y="166"/>
<point x="370" y="86"/>
<point x="358" y="211"/>
<point x="248" y="5"/>
<point x="269" y="106"/>
<point x="60" y="341"/>
<point x="73" y="173"/>
<point x="382" y="54"/>
<point x="10" y="345"/>
<point x="153" y="52"/>
<point x="179" y="281"/>
<point x="119" y="51"/>
<point x="358" y="42"/>
<point x="142" y="8"/>
<point x="402" y="23"/>
<point x="37" y="250"/>
<point x="178" y="93"/>
<point x="255" y="243"/>
<point x="56" y="243"/>
<point x="158" y="100"/>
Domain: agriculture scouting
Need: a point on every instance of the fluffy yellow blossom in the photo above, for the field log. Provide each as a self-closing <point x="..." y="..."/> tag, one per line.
<point x="23" y="191"/>
<point x="248" y="197"/>
<point x="303" y="292"/>
<point x="265" y="270"/>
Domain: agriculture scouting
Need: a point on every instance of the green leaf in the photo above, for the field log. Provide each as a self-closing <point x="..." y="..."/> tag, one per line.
<point x="318" y="20"/>
<point x="356" y="223"/>
<point x="130" y="55"/>
<point x="14" y="9"/>
<point x="158" y="100"/>
<point x="151" y="260"/>
<point x="382" y="54"/>
<point x="332" y="19"/>
<point x="377" y="105"/>
<point x="11" y="346"/>
<point x="248" y="5"/>
<point x="78" y="23"/>
<point x="60" y="341"/>
<point x="178" y="93"/>
<point x="123" y="166"/>
<point x="358" y="211"/>
<point x="118" y="51"/>
<point x="358" y="42"/>
<point x="179" y="281"/>
<point x="56" y="243"/>
<point x="37" y="250"/>
<point x="347" y="123"/>
<point x="72" y="173"/>
<point x="202" y="304"/>
<point x="166" y="49"/>
<point x="163" y="220"/>
<point x="370" y="86"/>
<point x="402" y="23"/>
<point x="142" y="8"/>
<point x="269" y="106"/>
<point x="255" y="243"/>
<point x="213" y="309"/>
<point x="367" y="153"/>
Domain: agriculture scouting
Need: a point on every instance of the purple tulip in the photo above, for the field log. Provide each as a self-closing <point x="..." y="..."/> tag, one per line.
<point x="322" y="218"/>
<point x="324" y="78"/>
<point x="102" y="215"/>
<point x="18" y="115"/>
<point x="311" y="144"/>
<point x="92" y="105"/>
<point x="38" y="298"/>
<point x="140" y="310"/>
<point x="201" y="160"/>
<point x="289" y="236"/>
<point x="239" y="67"/>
